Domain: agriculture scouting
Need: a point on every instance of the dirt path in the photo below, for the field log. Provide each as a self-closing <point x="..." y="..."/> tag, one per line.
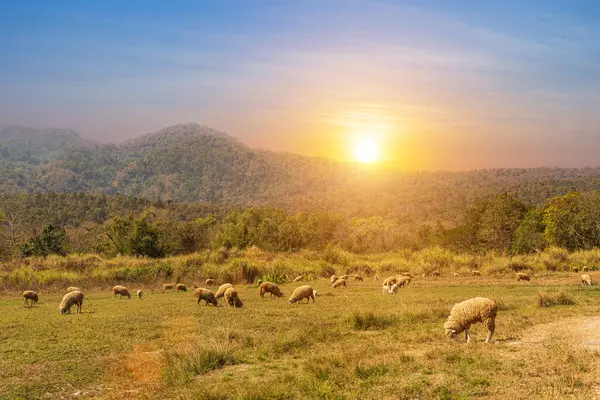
<point x="585" y="332"/>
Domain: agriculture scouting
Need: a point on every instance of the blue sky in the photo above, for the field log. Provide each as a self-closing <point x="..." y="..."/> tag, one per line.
<point x="439" y="84"/>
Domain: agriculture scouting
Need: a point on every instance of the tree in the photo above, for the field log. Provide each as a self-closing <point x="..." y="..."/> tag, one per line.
<point x="51" y="241"/>
<point x="135" y="236"/>
<point x="529" y="236"/>
<point x="502" y="216"/>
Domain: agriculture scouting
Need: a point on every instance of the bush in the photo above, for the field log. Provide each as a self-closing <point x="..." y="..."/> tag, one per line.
<point x="550" y="299"/>
<point x="364" y="321"/>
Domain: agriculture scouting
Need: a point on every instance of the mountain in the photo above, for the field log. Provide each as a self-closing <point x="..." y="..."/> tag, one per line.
<point x="194" y="163"/>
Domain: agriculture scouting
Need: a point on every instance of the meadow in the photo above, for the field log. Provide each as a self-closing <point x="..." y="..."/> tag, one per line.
<point x="353" y="343"/>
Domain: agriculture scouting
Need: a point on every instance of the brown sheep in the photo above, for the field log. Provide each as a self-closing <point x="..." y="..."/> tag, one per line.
<point x="207" y="295"/>
<point x="168" y="286"/>
<point x="31" y="296"/>
<point x="72" y="298"/>
<point x="210" y="282"/>
<point x="232" y="299"/>
<point x="268" y="287"/>
<point x="333" y="279"/>
<point x="339" y="282"/>
<point x="403" y="281"/>
<point x="585" y="269"/>
<point x="389" y="281"/>
<point x="575" y="269"/>
<point x="222" y="289"/>
<point x="521" y="276"/>
<point x="120" y="291"/>
<point x="301" y="293"/>
<point x="180" y="287"/>
<point x="299" y="278"/>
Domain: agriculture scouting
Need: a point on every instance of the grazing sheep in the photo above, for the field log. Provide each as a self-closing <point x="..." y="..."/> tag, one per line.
<point x="586" y="280"/>
<point x="333" y="279"/>
<point x="386" y="289"/>
<point x="394" y="289"/>
<point x="180" y="287"/>
<point x="585" y="269"/>
<point x="299" y="278"/>
<point x="206" y="295"/>
<point x="521" y="276"/>
<point x="435" y="273"/>
<point x="222" y="289"/>
<point x="468" y="312"/>
<point x="389" y="281"/>
<point x="575" y="269"/>
<point x="232" y="299"/>
<point x="403" y="281"/>
<point x="476" y="272"/>
<point x="339" y="282"/>
<point x="258" y="282"/>
<point x="269" y="287"/>
<point x="358" y="278"/>
<point x="121" y="291"/>
<point x="301" y="293"/>
<point x="406" y="273"/>
<point x="210" y="282"/>
<point x="69" y="299"/>
<point x="456" y="275"/>
<point x="139" y="294"/>
<point x="31" y="296"/>
<point x="344" y="277"/>
<point x="72" y="289"/>
<point x="168" y="286"/>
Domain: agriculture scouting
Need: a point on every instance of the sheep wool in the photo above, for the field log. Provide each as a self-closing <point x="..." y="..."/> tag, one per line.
<point x="301" y="293"/>
<point x="468" y="312"/>
<point x="389" y="281"/>
<point x="207" y="295"/>
<point x="72" y="298"/>
<point x="139" y="294"/>
<point x="121" y="291"/>
<point x="221" y="291"/>
<point x="269" y="287"/>
<point x="72" y="289"/>
<point x="575" y="269"/>
<point x="180" y="287"/>
<point x="394" y="289"/>
<point x="402" y="280"/>
<point x="168" y="286"/>
<point x="232" y="299"/>
<point x="299" y="278"/>
<point x="456" y="275"/>
<point x="521" y="276"/>
<point x="210" y="282"/>
<point x="333" y="279"/>
<point x="586" y="280"/>
<point x="585" y="269"/>
<point x="344" y="277"/>
<point x="339" y="282"/>
<point x="30" y="296"/>
<point x="385" y="289"/>
<point x="476" y="272"/>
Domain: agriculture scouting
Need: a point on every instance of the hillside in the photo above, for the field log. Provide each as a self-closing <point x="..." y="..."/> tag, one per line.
<point x="194" y="163"/>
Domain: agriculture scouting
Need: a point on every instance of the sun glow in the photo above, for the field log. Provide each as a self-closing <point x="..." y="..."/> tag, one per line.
<point x="366" y="151"/>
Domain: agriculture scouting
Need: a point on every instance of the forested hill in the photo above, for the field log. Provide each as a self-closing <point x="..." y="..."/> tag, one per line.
<point x="194" y="163"/>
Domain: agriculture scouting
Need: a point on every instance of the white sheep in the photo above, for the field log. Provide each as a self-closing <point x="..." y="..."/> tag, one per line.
<point x="586" y="280"/>
<point x="72" y="298"/>
<point x="210" y="282"/>
<point x="221" y="291"/>
<point x="72" y="289"/>
<point x="31" y="296"/>
<point x="468" y="312"/>
<point x="394" y="289"/>
<point x="340" y="282"/>
<point x="121" y="291"/>
<point x="301" y="293"/>
<point x="299" y="278"/>
<point x="385" y="289"/>
<point x="333" y="279"/>
<point x="139" y="294"/>
<point x="232" y="298"/>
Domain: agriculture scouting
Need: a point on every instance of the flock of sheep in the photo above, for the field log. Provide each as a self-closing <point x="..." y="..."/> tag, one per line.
<point x="462" y="315"/>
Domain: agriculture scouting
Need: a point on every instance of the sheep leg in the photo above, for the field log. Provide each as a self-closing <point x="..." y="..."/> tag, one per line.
<point x="467" y="335"/>
<point x="491" y="325"/>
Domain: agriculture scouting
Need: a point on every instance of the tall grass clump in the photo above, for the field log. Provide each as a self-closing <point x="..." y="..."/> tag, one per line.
<point x="362" y="321"/>
<point x="550" y="299"/>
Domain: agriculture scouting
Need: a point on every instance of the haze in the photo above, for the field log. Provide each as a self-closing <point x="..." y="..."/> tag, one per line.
<point x="437" y="84"/>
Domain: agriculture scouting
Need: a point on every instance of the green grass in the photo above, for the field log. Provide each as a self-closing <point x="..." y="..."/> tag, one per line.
<point x="355" y="343"/>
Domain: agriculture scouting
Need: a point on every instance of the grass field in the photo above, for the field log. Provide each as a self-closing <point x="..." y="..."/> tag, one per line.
<point x="354" y="343"/>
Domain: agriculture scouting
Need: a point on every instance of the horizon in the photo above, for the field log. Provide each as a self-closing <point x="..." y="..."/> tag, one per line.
<point x="494" y="85"/>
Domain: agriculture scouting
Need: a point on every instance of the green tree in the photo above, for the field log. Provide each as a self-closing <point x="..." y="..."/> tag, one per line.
<point x="559" y="219"/>
<point x="529" y="236"/>
<point x="499" y="221"/>
<point x="51" y="241"/>
<point x="135" y="236"/>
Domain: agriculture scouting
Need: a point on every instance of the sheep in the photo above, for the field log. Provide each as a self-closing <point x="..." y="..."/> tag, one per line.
<point x="180" y="287"/>
<point x="521" y="276"/>
<point x="221" y="291"/>
<point x="435" y="273"/>
<point x="468" y="312"/>
<point x="72" y="289"/>
<point x="259" y="282"/>
<point x="376" y="278"/>
<point x="403" y="281"/>
<point x="344" y="277"/>
<point x="301" y="293"/>
<point x="333" y="279"/>
<point x="406" y="273"/>
<point x="394" y="289"/>
<point x="210" y="282"/>
<point x="232" y="299"/>
<point x="69" y="299"/>
<point x="299" y="278"/>
<point x="385" y="289"/>
<point x="121" y="291"/>
<point x="339" y="282"/>
<point x="207" y="295"/>
<point x="476" y="272"/>
<point x="586" y="280"/>
<point x="358" y="278"/>
<point x="585" y="269"/>
<point x="456" y="275"/>
<point x="389" y="281"/>
<point x="31" y="296"/>
<point x="269" y="287"/>
<point x="139" y="294"/>
<point x="168" y="286"/>
<point x="575" y="269"/>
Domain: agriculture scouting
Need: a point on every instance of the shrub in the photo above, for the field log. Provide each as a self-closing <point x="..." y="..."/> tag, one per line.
<point x="550" y="299"/>
<point x="368" y="320"/>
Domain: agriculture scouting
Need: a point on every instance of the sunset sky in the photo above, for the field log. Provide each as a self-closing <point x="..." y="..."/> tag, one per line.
<point x="436" y="84"/>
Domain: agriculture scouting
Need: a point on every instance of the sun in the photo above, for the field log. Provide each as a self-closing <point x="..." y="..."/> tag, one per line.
<point x="366" y="151"/>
